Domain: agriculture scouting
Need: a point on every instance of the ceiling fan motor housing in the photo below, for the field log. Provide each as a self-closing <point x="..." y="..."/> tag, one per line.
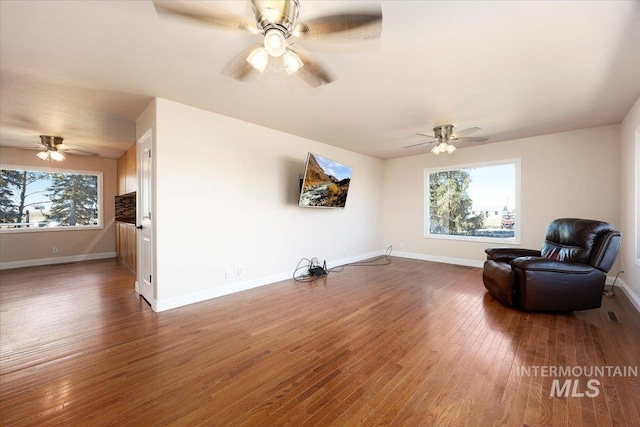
<point x="443" y="132"/>
<point x="276" y="14"/>
<point x="51" y="141"/>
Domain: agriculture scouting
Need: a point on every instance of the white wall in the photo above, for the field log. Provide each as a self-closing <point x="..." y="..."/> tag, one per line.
<point x="35" y="248"/>
<point x="570" y="174"/>
<point x="629" y="183"/>
<point x="226" y="198"/>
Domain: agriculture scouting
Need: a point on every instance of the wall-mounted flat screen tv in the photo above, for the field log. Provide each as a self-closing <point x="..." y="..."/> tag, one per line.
<point x="325" y="183"/>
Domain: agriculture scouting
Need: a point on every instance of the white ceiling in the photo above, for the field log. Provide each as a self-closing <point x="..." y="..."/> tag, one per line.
<point x="85" y="70"/>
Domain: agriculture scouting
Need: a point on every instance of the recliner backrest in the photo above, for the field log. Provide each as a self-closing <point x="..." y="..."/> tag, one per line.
<point x="573" y="239"/>
<point x="605" y="251"/>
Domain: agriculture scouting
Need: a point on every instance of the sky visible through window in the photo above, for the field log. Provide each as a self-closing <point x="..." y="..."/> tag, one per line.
<point x="36" y="195"/>
<point x="492" y="187"/>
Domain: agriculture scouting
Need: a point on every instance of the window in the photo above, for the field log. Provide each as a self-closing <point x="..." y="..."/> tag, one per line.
<point x="39" y="199"/>
<point x="453" y="196"/>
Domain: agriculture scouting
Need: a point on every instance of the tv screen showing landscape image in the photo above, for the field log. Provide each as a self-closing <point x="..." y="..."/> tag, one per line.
<point x="325" y="183"/>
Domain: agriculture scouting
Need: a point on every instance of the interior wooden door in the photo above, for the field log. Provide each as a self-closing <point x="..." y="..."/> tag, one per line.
<point x="145" y="267"/>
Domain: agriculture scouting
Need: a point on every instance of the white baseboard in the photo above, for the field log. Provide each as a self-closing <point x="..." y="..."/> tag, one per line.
<point x="357" y="258"/>
<point x="442" y="259"/>
<point x="57" y="260"/>
<point x="635" y="300"/>
<point x="192" y="298"/>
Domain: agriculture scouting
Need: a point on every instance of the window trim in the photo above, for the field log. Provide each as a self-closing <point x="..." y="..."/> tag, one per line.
<point x="636" y="255"/>
<point x="100" y="225"/>
<point x="516" y="240"/>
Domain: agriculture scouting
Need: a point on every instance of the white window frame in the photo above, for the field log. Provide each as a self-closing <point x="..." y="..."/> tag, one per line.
<point x="637" y="191"/>
<point x="516" y="240"/>
<point x="100" y="224"/>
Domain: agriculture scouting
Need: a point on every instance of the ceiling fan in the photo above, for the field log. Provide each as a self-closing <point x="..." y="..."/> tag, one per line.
<point x="51" y="144"/>
<point x="276" y="21"/>
<point x="444" y="136"/>
<point x="53" y="149"/>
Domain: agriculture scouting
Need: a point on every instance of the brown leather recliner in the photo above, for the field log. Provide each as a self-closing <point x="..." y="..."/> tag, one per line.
<point x="568" y="274"/>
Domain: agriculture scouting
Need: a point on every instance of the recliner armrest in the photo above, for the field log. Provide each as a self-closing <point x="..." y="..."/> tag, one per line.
<point x="509" y="254"/>
<point x="533" y="263"/>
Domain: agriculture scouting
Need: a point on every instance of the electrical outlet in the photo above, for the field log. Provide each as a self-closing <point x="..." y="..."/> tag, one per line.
<point x="345" y="251"/>
<point x="240" y="271"/>
<point x="227" y="273"/>
<point x="401" y="245"/>
<point x="55" y="250"/>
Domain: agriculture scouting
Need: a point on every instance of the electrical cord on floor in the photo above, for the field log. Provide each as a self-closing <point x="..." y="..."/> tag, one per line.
<point x="305" y="278"/>
<point x="313" y="263"/>
<point x="612" y="292"/>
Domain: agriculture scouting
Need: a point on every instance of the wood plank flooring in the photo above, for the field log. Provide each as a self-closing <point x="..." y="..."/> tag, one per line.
<point x="407" y="344"/>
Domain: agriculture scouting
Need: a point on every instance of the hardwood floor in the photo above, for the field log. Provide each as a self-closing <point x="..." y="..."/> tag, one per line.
<point x="411" y="343"/>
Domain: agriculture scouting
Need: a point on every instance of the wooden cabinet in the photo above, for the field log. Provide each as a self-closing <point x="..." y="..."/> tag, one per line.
<point x="131" y="176"/>
<point x="127" y="172"/>
<point x="122" y="177"/>
<point x="126" y="244"/>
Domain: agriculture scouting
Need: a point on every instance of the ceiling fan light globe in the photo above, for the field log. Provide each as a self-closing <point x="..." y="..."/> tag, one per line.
<point x="57" y="156"/>
<point x="258" y="58"/>
<point x="436" y="150"/>
<point x="451" y="148"/>
<point x="44" y="155"/>
<point x="274" y="42"/>
<point x="292" y="62"/>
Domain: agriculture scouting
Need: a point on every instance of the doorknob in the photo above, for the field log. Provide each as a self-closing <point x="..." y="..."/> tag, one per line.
<point x="139" y="227"/>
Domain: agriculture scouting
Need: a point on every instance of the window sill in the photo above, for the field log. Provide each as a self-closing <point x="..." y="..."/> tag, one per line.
<point x="480" y="239"/>
<point x="47" y="229"/>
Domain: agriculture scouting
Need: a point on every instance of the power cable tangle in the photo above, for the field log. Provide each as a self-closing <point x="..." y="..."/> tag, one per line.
<point x="314" y="263"/>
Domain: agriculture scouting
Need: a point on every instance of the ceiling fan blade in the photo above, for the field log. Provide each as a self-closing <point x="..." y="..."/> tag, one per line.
<point x="81" y="153"/>
<point x="419" y="144"/>
<point x="347" y="26"/>
<point x="428" y="136"/>
<point x="238" y="68"/>
<point x="311" y="72"/>
<point x="22" y="144"/>
<point x="464" y="132"/>
<point x="74" y="149"/>
<point x="470" y="139"/>
<point x="203" y="12"/>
